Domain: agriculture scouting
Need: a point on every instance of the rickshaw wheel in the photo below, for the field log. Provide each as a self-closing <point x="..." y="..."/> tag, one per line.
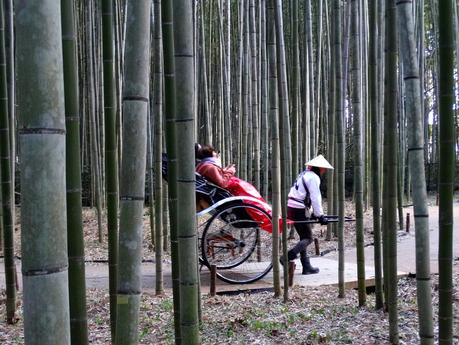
<point x="236" y="243"/>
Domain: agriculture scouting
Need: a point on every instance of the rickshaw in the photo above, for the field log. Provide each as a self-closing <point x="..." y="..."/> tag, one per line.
<point x="234" y="233"/>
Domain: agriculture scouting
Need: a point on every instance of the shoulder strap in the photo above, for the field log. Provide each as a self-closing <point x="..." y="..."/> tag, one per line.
<point x="307" y="198"/>
<point x="300" y="176"/>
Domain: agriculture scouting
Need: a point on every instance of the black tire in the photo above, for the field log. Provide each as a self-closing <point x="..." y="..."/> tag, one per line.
<point x="236" y="244"/>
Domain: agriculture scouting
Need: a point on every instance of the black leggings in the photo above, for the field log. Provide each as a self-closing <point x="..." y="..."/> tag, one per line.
<point x="303" y="229"/>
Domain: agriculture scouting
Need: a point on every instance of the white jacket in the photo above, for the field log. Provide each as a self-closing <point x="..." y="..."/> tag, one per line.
<point x="298" y="193"/>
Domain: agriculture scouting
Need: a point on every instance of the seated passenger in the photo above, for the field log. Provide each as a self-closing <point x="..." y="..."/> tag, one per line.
<point x="210" y="166"/>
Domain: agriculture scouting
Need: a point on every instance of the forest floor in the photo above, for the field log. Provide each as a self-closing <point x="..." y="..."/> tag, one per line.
<point x="312" y="315"/>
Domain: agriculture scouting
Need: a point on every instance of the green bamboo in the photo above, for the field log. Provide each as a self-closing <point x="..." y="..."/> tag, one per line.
<point x="265" y="112"/>
<point x="358" y="156"/>
<point x="77" y="282"/>
<point x="7" y="188"/>
<point x="318" y="75"/>
<point x="275" y="163"/>
<point x="339" y="118"/>
<point x="447" y="160"/>
<point x="169" y="109"/>
<point x="158" y="139"/>
<point x="390" y="162"/>
<point x="331" y="180"/>
<point x="186" y="222"/>
<point x="207" y="123"/>
<point x="240" y="80"/>
<point x="310" y="60"/>
<point x="295" y="91"/>
<point x="10" y="77"/>
<point x="255" y="113"/>
<point x="111" y="154"/>
<point x="42" y="141"/>
<point x="132" y="179"/>
<point x="165" y="225"/>
<point x="243" y="171"/>
<point x="416" y="162"/>
<point x="227" y="82"/>
<point x="375" y="154"/>
<point x="284" y="131"/>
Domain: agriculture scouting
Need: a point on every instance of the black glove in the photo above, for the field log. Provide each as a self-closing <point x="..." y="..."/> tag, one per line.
<point x="323" y="220"/>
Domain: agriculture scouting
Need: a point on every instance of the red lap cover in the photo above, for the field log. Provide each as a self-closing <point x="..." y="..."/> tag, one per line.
<point x="239" y="187"/>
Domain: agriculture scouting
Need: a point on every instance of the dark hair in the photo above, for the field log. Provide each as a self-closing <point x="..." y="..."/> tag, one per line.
<point x="315" y="170"/>
<point x="197" y="151"/>
<point x="205" y="151"/>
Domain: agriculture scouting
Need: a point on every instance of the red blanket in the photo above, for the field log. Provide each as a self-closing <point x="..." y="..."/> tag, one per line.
<point x="239" y="187"/>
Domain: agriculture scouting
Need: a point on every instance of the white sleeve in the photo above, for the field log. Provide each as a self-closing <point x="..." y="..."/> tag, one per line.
<point x="316" y="197"/>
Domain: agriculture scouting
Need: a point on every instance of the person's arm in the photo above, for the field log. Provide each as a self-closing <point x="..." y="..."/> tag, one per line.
<point x="230" y="169"/>
<point x="215" y="174"/>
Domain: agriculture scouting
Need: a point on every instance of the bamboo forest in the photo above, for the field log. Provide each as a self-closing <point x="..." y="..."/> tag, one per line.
<point x="229" y="172"/>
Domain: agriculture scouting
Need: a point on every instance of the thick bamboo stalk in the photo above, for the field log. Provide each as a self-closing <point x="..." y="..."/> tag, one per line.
<point x="447" y="161"/>
<point x="416" y="162"/>
<point x="158" y="139"/>
<point x="77" y="282"/>
<point x="310" y="61"/>
<point x="133" y="164"/>
<point x="186" y="222"/>
<point x="7" y="188"/>
<point x="275" y="162"/>
<point x="295" y="90"/>
<point x="171" y="191"/>
<point x="255" y="114"/>
<point x="42" y="141"/>
<point x="111" y="154"/>
<point x="10" y="78"/>
<point x="284" y="131"/>
<point x="265" y="141"/>
<point x="375" y="153"/>
<point x="390" y="164"/>
<point x="339" y="118"/>
<point x="358" y="154"/>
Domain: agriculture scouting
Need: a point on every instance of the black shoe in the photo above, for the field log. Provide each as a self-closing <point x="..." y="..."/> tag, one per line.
<point x="310" y="270"/>
<point x="307" y="268"/>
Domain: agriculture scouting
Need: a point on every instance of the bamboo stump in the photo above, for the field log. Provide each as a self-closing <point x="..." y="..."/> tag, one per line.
<point x="316" y="244"/>
<point x="407" y="222"/>
<point x="291" y="272"/>
<point x="213" y="279"/>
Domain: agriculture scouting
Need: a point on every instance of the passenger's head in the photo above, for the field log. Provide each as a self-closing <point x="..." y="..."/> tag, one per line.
<point x="207" y="151"/>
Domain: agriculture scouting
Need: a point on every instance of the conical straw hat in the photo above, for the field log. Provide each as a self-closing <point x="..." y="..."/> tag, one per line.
<point x="319" y="162"/>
